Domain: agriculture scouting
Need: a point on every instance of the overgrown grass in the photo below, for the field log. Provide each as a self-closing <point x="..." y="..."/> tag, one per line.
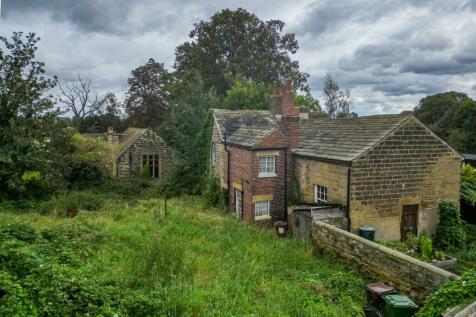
<point x="197" y="262"/>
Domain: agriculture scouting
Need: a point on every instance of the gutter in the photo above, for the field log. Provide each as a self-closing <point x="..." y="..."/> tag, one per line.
<point x="285" y="184"/>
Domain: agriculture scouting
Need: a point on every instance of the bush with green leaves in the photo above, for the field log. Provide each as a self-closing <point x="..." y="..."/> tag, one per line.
<point x="213" y="194"/>
<point x="450" y="230"/>
<point x="468" y="184"/>
<point x="41" y="272"/>
<point x="450" y="294"/>
<point x="60" y="204"/>
<point x="426" y="247"/>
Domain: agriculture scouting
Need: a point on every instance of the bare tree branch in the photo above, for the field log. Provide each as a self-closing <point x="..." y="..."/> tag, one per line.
<point x="76" y="97"/>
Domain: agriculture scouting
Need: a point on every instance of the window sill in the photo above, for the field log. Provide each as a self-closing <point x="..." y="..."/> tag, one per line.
<point x="263" y="175"/>
<point x="260" y="218"/>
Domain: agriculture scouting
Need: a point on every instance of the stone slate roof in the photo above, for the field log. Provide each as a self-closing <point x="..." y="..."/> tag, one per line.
<point x="469" y="157"/>
<point x="344" y="139"/>
<point x="244" y="127"/>
<point x="131" y="135"/>
<point x="329" y="139"/>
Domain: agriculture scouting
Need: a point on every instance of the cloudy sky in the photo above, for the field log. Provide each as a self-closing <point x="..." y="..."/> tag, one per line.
<point x="389" y="53"/>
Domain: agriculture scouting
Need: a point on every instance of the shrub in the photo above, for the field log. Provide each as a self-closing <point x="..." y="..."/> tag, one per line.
<point x="426" y="247"/>
<point x="213" y="193"/>
<point x="125" y="188"/>
<point x="450" y="230"/>
<point x="461" y="291"/>
<point x="42" y="274"/>
<point x="88" y="163"/>
<point x="60" y="204"/>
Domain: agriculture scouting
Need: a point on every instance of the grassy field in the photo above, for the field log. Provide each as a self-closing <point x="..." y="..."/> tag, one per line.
<point x="194" y="261"/>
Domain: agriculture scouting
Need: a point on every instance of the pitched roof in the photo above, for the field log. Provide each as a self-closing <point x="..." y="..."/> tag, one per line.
<point x="469" y="157"/>
<point x="244" y="127"/>
<point x="344" y="139"/>
<point x="131" y="135"/>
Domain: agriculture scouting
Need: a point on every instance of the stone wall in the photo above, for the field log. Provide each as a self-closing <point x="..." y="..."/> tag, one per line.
<point x="129" y="164"/>
<point x="406" y="273"/>
<point x="312" y="172"/>
<point x="218" y="167"/>
<point x="410" y="167"/>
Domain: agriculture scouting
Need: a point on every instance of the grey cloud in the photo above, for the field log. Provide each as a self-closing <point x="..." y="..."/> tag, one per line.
<point x="108" y="16"/>
<point x="389" y="53"/>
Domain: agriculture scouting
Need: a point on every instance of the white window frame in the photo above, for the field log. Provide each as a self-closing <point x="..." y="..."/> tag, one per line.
<point x="238" y="202"/>
<point x="267" y="166"/>
<point x="267" y="213"/>
<point x="320" y="194"/>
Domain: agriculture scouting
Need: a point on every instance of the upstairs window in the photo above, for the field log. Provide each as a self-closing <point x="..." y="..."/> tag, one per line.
<point x="320" y="194"/>
<point x="150" y="163"/>
<point x="267" y="166"/>
<point x="262" y="209"/>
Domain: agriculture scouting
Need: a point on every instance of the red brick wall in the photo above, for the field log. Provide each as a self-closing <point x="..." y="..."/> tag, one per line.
<point x="244" y="170"/>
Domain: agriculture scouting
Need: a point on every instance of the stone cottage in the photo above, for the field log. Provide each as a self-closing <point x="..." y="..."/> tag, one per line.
<point x="389" y="172"/>
<point x="135" y="149"/>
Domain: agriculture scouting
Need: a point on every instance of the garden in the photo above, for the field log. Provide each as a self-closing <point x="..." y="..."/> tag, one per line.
<point x="123" y="256"/>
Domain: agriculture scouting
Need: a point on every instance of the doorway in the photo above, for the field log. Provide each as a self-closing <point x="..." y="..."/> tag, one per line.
<point x="409" y="221"/>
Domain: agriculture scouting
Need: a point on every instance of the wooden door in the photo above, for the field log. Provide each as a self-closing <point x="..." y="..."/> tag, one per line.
<point x="409" y="222"/>
<point x="302" y="225"/>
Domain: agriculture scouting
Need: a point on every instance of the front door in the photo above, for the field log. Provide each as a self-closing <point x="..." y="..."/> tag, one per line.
<point x="409" y="221"/>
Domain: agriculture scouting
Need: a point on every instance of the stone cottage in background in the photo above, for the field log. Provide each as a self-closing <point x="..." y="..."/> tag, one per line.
<point x="389" y="172"/>
<point x="135" y="151"/>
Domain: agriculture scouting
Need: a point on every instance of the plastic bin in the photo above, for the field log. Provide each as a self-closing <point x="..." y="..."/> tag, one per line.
<point x="367" y="233"/>
<point x="399" y="306"/>
<point x="375" y="291"/>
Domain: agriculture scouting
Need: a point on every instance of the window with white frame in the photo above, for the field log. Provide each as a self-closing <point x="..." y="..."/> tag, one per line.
<point x="213" y="154"/>
<point x="267" y="166"/>
<point x="320" y="194"/>
<point x="262" y="209"/>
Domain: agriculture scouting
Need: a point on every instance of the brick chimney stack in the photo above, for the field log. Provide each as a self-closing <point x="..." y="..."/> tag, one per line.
<point x="290" y="116"/>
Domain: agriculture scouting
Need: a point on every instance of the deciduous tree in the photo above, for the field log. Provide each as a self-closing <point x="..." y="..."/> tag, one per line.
<point x="26" y="116"/>
<point x="148" y="96"/>
<point x="236" y="43"/>
<point x="337" y="101"/>
<point x="246" y="95"/>
<point x="78" y="99"/>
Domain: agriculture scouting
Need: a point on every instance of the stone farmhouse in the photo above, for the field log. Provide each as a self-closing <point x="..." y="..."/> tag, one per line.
<point x="133" y="150"/>
<point x="389" y="172"/>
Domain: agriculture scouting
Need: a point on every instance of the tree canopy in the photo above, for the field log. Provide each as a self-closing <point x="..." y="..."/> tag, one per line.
<point x="452" y="116"/>
<point x="148" y="96"/>
<point x="236" y="43"/>
<point x="26" y="114"/>
<point x="246" y="95"/>
<point x="337" y="101"/>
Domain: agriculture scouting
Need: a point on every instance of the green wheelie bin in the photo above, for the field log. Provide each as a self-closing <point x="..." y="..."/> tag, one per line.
<point x="399" y="306"/>
<point x="367" y="233"/>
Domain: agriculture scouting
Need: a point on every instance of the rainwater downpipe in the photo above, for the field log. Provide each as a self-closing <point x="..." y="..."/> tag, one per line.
<point x="285" y="184"/>
<point x="228" y="154"/>
<point x="348" y="196"/>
